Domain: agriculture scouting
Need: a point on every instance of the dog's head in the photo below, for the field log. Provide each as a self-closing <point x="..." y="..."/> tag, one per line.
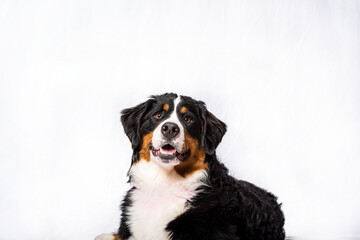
<point x="175" y="131"/>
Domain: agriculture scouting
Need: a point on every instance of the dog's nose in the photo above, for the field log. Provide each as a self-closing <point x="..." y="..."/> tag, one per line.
<point x="170" y="130"/>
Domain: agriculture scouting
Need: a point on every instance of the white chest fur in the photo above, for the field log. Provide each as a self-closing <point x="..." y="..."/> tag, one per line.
<point x="160" y="197"/>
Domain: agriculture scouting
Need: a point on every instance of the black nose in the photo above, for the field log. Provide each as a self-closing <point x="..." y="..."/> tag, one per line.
<point x="170" y="130"/>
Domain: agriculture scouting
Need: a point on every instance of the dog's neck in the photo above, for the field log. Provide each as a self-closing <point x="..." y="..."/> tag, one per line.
<point x="149" y="174"/>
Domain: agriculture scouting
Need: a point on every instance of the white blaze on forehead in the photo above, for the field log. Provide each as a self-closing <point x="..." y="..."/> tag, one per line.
<point x="173" y="117"/>
<point x="158" y="140"/>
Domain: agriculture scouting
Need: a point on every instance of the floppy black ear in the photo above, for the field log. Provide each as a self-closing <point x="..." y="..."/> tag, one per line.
<point x="131" y="120"/>
<point x="213" y="131"/>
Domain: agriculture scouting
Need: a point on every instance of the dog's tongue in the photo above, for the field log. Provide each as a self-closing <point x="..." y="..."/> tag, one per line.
<point x="168" y="149"/>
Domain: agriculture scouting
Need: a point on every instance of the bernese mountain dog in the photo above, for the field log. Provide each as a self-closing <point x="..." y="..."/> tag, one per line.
<point x="179" y="189"/>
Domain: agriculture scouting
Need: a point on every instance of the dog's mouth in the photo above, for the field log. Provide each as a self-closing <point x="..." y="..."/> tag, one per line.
<point x="167" y="153"/>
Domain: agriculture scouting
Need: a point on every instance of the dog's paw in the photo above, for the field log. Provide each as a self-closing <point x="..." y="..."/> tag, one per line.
<point x="108" y="236"/>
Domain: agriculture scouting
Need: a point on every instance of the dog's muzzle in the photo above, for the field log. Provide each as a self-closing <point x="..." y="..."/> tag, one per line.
<point x="168" y="152"/>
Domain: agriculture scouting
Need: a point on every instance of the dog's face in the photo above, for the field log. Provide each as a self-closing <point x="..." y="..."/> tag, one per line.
<point x="174" y="131"/>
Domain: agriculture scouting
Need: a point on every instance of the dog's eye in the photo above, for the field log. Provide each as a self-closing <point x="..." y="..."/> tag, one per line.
<point x="158" y="115"/>
<point x="187" y="119"/>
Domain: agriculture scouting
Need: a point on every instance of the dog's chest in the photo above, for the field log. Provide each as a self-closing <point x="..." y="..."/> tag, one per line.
<point x="159" y="198"/>
<point x="152" y="210"/>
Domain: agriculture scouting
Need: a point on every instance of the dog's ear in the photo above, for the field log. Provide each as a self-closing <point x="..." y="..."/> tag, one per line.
<point x="213" y="130"/>
<point x="131" y="120"/>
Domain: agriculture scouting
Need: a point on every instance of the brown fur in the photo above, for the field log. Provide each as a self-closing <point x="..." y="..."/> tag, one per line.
<point x="193" y="163"/>
<point x="166" y="107"/>
<point x="116" y="237"/>
<point x="196" y="159"/>
<point x="183" y="110"/>
<point x="145" y="147"/>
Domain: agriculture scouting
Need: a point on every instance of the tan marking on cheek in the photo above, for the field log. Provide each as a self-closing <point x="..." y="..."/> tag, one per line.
<point x="166" y="107"/>
<point x="183" y="110"/>
<point x="145" y="147"/>
<point x="196" y="159"/>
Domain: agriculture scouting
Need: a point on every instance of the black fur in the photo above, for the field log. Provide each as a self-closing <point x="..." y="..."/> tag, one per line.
<point x="214" y="130"/>
<point x="224" y="208"/>
<point x="131" y="119"/>
<point x="229" y="209"/>
<point x="136" y="121"/>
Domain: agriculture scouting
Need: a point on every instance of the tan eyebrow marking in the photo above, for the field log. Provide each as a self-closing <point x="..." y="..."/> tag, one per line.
<point x="183" y="110"/>
<point x="166" y="107"/>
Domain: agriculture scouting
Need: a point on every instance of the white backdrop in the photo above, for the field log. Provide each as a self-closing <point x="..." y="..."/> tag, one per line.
<point x="284" y="76"/>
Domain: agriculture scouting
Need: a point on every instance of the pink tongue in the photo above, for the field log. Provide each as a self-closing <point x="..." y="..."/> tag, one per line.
<point x="168" y="150"/>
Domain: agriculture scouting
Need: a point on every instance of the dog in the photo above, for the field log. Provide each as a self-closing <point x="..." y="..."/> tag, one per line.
<point x="179" y="189"/>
